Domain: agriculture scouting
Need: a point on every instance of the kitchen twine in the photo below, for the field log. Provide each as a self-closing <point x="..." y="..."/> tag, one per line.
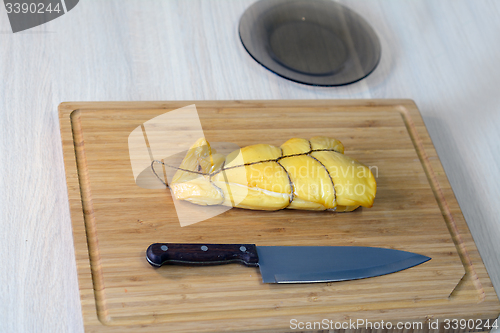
<point x="211" y="174"/>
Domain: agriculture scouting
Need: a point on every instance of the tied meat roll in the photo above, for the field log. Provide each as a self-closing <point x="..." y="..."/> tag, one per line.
<point x="300" y="174"/>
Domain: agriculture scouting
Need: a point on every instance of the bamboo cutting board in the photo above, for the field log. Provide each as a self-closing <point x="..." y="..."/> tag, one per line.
<point x="114" y="221"/>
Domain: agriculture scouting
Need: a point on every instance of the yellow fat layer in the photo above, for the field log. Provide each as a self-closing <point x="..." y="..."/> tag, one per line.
<point x="198" y="158"/>
<point x="242" y="196"/>
<point x="269" y="176"/>
<point x="252" y="154"/>
<point x="322" y="142"/>
<point x="295" y="146"/>
<point x="311" y="182"/>
<point x="354" y="182"/>
<point x="258" y="186"/>
<point x="197" y="190"/>
<point x="193" y="187"/>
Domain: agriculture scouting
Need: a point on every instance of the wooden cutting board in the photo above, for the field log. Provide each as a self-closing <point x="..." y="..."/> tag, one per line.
<point x="114" y="221"/>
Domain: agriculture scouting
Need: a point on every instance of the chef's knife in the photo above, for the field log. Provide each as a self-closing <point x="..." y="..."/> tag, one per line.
<point x="290" y="264"/>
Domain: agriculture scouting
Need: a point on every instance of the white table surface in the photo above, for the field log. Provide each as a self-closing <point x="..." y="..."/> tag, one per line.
<point x="445" y="55"/>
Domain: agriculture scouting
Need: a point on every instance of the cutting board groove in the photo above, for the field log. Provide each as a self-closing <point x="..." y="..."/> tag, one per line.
<point x="443" y="205"/>
<point x="114" y="221"/>
<point x="88" y="211"/>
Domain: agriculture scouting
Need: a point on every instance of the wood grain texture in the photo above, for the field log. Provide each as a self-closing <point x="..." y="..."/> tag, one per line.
<point x="438" y="53"/>
<point x="114" y="221"/>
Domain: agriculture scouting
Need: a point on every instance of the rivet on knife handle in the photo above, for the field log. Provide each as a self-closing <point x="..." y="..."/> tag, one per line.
<point x="159" y="254"/>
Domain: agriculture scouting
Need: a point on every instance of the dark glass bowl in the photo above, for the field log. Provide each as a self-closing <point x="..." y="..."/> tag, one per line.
<point x="315" y="42"/>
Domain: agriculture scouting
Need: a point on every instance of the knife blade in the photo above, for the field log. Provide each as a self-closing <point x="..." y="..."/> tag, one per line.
<point x="290" y="264"/>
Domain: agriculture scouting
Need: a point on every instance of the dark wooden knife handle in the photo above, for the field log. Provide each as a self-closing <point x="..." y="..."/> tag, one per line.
<point x="159" y="254"/>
